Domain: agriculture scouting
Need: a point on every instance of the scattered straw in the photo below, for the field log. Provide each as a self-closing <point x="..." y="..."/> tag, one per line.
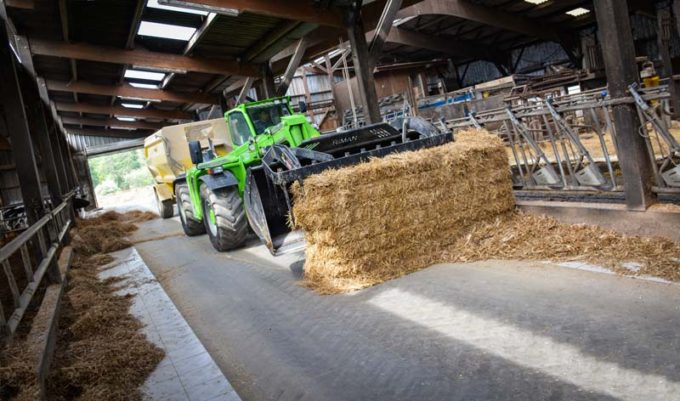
<point x="17" y="374"/>
<point x="524" y="236"/>
<point x="107" y="232"/>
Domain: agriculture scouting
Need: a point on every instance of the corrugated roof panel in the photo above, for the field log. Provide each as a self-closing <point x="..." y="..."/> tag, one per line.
<point x="81" y="142"/>
<point x="233" y="35"/>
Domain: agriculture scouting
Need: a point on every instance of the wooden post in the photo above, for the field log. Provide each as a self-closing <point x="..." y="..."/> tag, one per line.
<point x="41" y="135"/>
<point x="331" y="81"/>
<point x="362" y="65"/>
<point x="17" y="126"/>
<point x="619" y="58"/>
<point x="53" y="133"/>
<point x="308" y="96"/>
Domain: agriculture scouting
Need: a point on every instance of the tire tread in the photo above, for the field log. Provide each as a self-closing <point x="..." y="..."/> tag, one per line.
<point x="191" y="226"/>
<point x="230" y="216"/>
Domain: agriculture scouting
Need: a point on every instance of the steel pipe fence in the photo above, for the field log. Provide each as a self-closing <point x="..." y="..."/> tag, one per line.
<point x="569" y="142"/>
<point x="33" y="255"/>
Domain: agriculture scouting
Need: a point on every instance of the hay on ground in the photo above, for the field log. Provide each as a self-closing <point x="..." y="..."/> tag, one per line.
<point x="523" y="236"/>
<point x="101" y="353"/>
<point x="18" y="379"/>
<point x="391" y="216"/>
<point x="107" y="232"/>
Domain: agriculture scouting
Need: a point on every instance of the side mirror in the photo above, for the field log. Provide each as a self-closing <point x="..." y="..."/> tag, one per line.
<point x="303" y="106"/>
<point x="196" y="152"/>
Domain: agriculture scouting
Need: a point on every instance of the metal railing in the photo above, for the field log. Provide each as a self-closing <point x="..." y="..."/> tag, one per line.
<point x="392" y="108"/>
<point x="569" y="142"/>
<point x="33" y="254"/>
<point x="662" y="146"/>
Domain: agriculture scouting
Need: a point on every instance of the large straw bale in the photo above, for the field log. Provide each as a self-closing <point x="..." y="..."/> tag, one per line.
<point x="390" y="216"/>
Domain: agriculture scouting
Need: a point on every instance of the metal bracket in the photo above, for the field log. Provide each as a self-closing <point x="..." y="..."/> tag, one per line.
<point x="546" y="174"/>
<point x="653" y="118"/>
<point x="590" y="174"/>
<point x="473" y="120"/>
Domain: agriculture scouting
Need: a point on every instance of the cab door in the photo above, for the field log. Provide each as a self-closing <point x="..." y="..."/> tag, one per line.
<point x="239" y="130"/>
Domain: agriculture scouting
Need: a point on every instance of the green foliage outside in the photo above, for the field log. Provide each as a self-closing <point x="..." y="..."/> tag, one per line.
<point x="119" y="171"/>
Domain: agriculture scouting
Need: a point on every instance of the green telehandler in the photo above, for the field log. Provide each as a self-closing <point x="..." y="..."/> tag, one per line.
<point x="272" y="147"/>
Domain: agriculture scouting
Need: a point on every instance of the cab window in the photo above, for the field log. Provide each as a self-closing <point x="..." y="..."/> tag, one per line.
<point x="238" y="127"/>
<point x="267" y="115"/>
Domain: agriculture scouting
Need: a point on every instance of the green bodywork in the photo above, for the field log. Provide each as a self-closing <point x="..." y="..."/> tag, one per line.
<point x="291" y="131"/>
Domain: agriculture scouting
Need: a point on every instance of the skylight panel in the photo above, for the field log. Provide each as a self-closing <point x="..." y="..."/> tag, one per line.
<point x="400" y="21"/>
<point x="148" y="75"/>
<point x="125" y="118"/>
<point x="188" y="4"/>
<point x="165" y="31"/>
<point x="536" y="2"/>
<point x="132" y="105"/>
<point x="154" y="4"/>
<point x="143" y="86"/>
<point x="577" y="12"/>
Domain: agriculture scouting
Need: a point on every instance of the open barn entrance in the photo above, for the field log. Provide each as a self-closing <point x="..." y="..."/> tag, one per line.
<point x="122" y="181"/>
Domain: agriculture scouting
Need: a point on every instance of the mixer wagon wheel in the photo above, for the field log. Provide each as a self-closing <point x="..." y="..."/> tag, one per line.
<point x="224" y="217"/>
<point x="190" y="225"/>
<point x="164" y="207"/>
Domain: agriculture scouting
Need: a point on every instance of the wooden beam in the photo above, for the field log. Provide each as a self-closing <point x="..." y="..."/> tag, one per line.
<point x="142" y="58"/>
<point x="383" y="28"/>
<point x="124" y="111"/>
<point x="23" y="4"/>
<point x="279" y="33"/>
<point x="483" y="15"/>
<point x="134" y="25"/>
<point x="114" y="133"/>
<point x="297" y="10"/>
<point x="237" y="85"/>
<point x="111" y="122"/>
<point x="411" y="65"/>
<point x="325" y="38"/>
<point x="293" y="64"/>
<point x="193" y="41"/>
<point x="127" y="91"/>
<point x="244" y="90"/>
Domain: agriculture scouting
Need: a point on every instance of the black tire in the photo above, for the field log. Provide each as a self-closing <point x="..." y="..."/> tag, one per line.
<point x="230" y="227"/>
<point x="190" y="225"/>
<point x="165" y="208"/>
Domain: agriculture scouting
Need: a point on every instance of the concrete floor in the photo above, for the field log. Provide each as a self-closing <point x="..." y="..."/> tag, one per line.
<point x="481" y="331"/>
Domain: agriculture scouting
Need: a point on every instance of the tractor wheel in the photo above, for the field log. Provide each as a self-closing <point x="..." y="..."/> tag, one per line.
<point x="190" y="225"/>
<point x="224" y="218"/>
<point x="165" y="208"/>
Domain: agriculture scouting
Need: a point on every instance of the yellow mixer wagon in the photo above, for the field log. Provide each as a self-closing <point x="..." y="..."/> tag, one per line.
<point x="167" y="154"/>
